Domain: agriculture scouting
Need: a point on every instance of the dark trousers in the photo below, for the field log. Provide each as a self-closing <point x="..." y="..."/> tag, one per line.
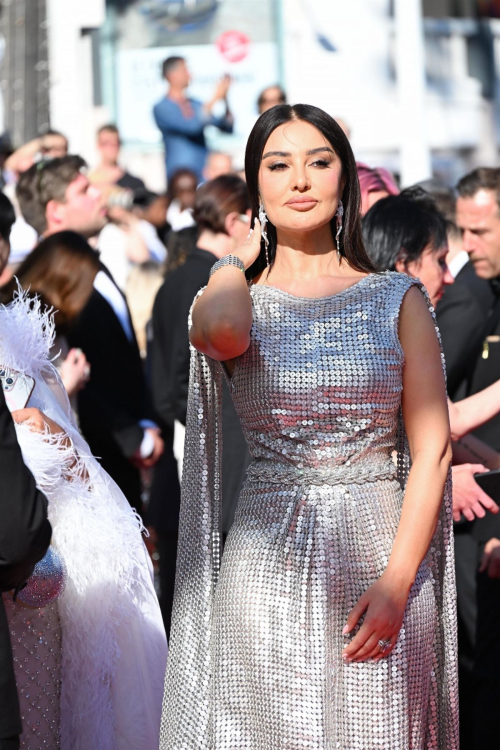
<point x="466" y="565"/>
<point x="10" y="744"/>
<point x="486" y="671"/>
<point x="478" y="645"/>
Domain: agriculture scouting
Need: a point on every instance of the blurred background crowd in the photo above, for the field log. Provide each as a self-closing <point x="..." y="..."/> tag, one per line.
<point x="123" y="127"/>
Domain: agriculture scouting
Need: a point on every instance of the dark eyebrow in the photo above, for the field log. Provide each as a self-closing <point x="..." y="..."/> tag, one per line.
<point x="276" y="153"/>
<point x="319" y="150"/>
<point x="311" y="152"/>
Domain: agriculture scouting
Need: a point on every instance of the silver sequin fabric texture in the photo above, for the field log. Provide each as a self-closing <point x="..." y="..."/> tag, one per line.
<point x="36" y="640"/>
<point x="255" y="660"/>
<point x="47" y="582"/>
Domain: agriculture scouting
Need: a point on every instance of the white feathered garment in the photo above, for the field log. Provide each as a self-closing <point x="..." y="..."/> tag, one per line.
<point x="114" y="643"/>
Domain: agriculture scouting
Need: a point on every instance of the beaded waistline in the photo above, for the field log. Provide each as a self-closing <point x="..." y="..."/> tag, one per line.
<point x="262" y="470"/>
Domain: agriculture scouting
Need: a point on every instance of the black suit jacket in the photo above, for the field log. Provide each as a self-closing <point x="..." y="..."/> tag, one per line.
<point x="24" y="538"/>
<point x="170" y="359"/>
<point x="486" y="371"/>
<point x="116" y="397"/>
<point x="462" y="315"/>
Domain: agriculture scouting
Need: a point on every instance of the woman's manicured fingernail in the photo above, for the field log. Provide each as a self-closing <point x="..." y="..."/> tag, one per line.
<point x="346" y="630"/>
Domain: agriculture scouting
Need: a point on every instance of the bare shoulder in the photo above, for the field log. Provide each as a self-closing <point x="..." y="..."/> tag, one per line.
<point x="414" y="302"/>
<point x="416" y="325"/>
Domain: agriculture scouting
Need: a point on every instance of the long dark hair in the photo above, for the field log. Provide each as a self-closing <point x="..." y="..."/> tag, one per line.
<point x="351" y="241"/>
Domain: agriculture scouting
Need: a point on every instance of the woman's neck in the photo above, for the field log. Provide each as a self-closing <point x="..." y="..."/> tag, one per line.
<point x="308" y="255"/>
<point x="217" y="243"/>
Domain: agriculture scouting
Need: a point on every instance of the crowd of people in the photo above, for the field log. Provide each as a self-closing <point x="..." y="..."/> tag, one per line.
<point x="318" y="442"/>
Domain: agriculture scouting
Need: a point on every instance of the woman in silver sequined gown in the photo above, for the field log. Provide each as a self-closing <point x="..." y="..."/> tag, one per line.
<point x="330" y="621"/>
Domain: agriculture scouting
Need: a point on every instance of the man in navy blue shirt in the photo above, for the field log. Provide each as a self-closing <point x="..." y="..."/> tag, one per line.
<point x="182" y="120"/>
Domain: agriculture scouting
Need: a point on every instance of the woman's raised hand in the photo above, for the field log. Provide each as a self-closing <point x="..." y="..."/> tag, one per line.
<point x="249" y="251"/>
<point x="39" y="422"/>
<point x="383" y="605"/>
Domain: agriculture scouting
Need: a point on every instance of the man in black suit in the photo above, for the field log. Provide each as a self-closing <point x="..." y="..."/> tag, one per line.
<point x="478" y="218"/>
<point x="116" y="415"/>
<point x="464" y="308"/>
<point x="462" y="314"/>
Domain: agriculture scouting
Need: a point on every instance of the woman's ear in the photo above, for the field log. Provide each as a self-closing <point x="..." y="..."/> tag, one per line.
<point x="230" y="221"/>
<point x="400" y="264"/>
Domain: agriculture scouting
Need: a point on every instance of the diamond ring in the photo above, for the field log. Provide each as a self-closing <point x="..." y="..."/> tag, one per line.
<point x="384" y="645"/>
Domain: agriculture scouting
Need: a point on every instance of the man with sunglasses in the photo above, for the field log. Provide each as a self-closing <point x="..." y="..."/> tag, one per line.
<point x="56" y="194"/>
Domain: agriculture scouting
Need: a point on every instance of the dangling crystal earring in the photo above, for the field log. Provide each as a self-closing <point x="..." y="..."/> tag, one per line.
<point x="263" y="222"/>
<point x="339" y="214"/>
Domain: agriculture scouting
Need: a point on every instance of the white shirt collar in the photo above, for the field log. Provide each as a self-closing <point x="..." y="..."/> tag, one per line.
<point x="458" y="262"/>
<point x="105" y="286"/>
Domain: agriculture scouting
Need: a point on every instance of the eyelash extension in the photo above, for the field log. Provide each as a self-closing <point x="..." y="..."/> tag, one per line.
<point x="279" y="165"/>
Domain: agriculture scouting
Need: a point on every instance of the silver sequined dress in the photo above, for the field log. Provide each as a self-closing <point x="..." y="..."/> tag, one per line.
<point x="255" y="660"/>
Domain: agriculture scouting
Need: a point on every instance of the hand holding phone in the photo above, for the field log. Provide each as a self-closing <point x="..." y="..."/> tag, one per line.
<point x="489" y="481"/>
<point x="17" y="387"/>
<point x="469" y="499"/>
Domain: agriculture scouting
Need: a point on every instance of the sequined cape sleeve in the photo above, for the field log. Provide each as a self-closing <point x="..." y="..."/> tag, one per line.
<point x="187" y="693"/>
<point x="441" y="558"/>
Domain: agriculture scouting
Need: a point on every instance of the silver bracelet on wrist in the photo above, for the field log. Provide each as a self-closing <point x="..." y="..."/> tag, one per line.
<point x="228" y="260"/>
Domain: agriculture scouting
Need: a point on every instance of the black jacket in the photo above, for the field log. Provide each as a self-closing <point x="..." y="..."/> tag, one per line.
<point x="170" y="360"/>
<point x="486" y="371"/>
<point x="24" y="538"/>
<point x="170" y="345"/>
<point x="116" y="397"/>
<point x="462" y="315"/>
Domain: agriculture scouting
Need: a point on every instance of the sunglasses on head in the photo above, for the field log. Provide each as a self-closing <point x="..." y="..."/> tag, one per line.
<point x="39" y="172"/>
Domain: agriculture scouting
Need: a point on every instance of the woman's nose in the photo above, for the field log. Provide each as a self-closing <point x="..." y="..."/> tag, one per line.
<point x="301" y="179"/>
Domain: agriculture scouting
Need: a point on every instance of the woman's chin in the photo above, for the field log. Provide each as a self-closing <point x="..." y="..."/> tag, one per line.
<point x="303" y="222"/>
